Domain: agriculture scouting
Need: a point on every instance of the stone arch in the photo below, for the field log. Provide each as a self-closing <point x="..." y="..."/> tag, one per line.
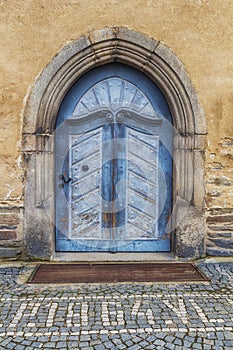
<point x="160" y="64"/>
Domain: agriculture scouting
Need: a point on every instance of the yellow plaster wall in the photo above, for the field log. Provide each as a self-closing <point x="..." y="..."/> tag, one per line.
<point x="198" y="31"/>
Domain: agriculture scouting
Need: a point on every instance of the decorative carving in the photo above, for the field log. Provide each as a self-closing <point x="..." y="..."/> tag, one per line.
<point x="109" y="117"/>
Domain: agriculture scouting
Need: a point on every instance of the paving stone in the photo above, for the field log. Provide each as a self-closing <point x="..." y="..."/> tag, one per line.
<point x="228" y="335"/>
<point x="129" y="343"/>
<point x="19" y="347"/>
<point x="72" y="344"/>
<point x="83" y="344"/>
<point x="178" y="341"/>
<point x="60" y="344"/>
<point x="196" y="346"/>
<point x="118" y="316"/>
<point x="85" y="337"/>
<point x="159" y="342"/>
<point x="220" y="336"/>
<point x="120" y="346"/>
<point x="11" y="346"/>
<point x="134" y="347"/>
<point x="51" y="345"/>
<point x="228" y="343"/>
<point x="136" y="339"/>
<point x="5" y="342"/>
<point x="37" y="345"/>
<point x="206" y="347"/>
<point x="150" y="338"/>
<point x="187" y="344"/>
<point x="170" y="346"/>
<point x="169" y="339"/>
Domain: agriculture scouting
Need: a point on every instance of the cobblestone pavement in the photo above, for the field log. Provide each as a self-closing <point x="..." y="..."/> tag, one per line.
<point x="117" y="316"/>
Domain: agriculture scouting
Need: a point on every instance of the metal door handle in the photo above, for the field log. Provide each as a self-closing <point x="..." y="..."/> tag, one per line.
<point x="66" y="179"/>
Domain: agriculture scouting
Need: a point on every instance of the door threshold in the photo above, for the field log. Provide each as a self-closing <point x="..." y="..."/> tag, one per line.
<point x="116" y="257"/>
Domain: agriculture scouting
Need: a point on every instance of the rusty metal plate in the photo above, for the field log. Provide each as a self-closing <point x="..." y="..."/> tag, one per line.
<point x="113" y="273"/>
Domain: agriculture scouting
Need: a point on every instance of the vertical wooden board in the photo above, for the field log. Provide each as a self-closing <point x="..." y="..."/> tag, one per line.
<point x="84" y="190"/>
<point x="142" y="185"/>
<point x="120" y="175"/>
<point x="119" y="165"/>
<point x="113" y="181"/>
<point x="106" y="180"/>
<point x="165" y="191"/>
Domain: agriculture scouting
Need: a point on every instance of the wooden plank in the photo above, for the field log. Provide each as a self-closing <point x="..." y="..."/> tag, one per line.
<point x="142" y="186"/>
<point x="85" y="167"/>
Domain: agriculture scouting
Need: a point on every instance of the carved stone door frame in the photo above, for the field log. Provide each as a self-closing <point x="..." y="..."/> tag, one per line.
<point x="161" y="65"/>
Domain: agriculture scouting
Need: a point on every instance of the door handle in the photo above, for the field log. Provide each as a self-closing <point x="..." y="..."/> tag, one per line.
<point x="65" y="179"/>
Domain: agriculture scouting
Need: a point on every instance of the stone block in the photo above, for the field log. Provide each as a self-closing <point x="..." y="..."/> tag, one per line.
<point x="10" y="253"/>
<point x="7" y="234"/>
<point x="219" y="234"/>
<point x="220" y="218"/>
<point x="190" y="233"/>
<point x="200" y="142"/>
<point x="28" y="142"/>
<point x="10" y="233"/>
<point x="213" y="251"/>
<point x="38" y="235"/>
<point x="9" y="219"/>
<point x="126" y="34"/>
<point x="216" y="227"/>
<point x="102" y="35"/>
<point x="222" y="243"/>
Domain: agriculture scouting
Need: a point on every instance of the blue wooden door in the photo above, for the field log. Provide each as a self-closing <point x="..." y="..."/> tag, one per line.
<point x="113" y="165"/>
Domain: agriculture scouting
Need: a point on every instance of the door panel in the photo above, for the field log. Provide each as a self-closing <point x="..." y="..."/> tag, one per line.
<point x="85" y="170"/>
<point x="83" y="202"/>
<point x="142" y="179"/>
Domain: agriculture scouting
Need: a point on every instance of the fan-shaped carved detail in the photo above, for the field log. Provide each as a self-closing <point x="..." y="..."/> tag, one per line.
<point x="114" y="94"/>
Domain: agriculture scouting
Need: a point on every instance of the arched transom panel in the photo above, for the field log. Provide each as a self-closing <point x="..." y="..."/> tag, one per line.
<point x="114" y="94"/>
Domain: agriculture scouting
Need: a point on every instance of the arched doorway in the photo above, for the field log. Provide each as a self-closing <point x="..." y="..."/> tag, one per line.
<point x="164" y="70"/>
<point x="113" y="164"/>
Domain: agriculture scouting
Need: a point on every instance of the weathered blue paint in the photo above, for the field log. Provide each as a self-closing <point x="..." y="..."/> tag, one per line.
<point x="115" y="191"/>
